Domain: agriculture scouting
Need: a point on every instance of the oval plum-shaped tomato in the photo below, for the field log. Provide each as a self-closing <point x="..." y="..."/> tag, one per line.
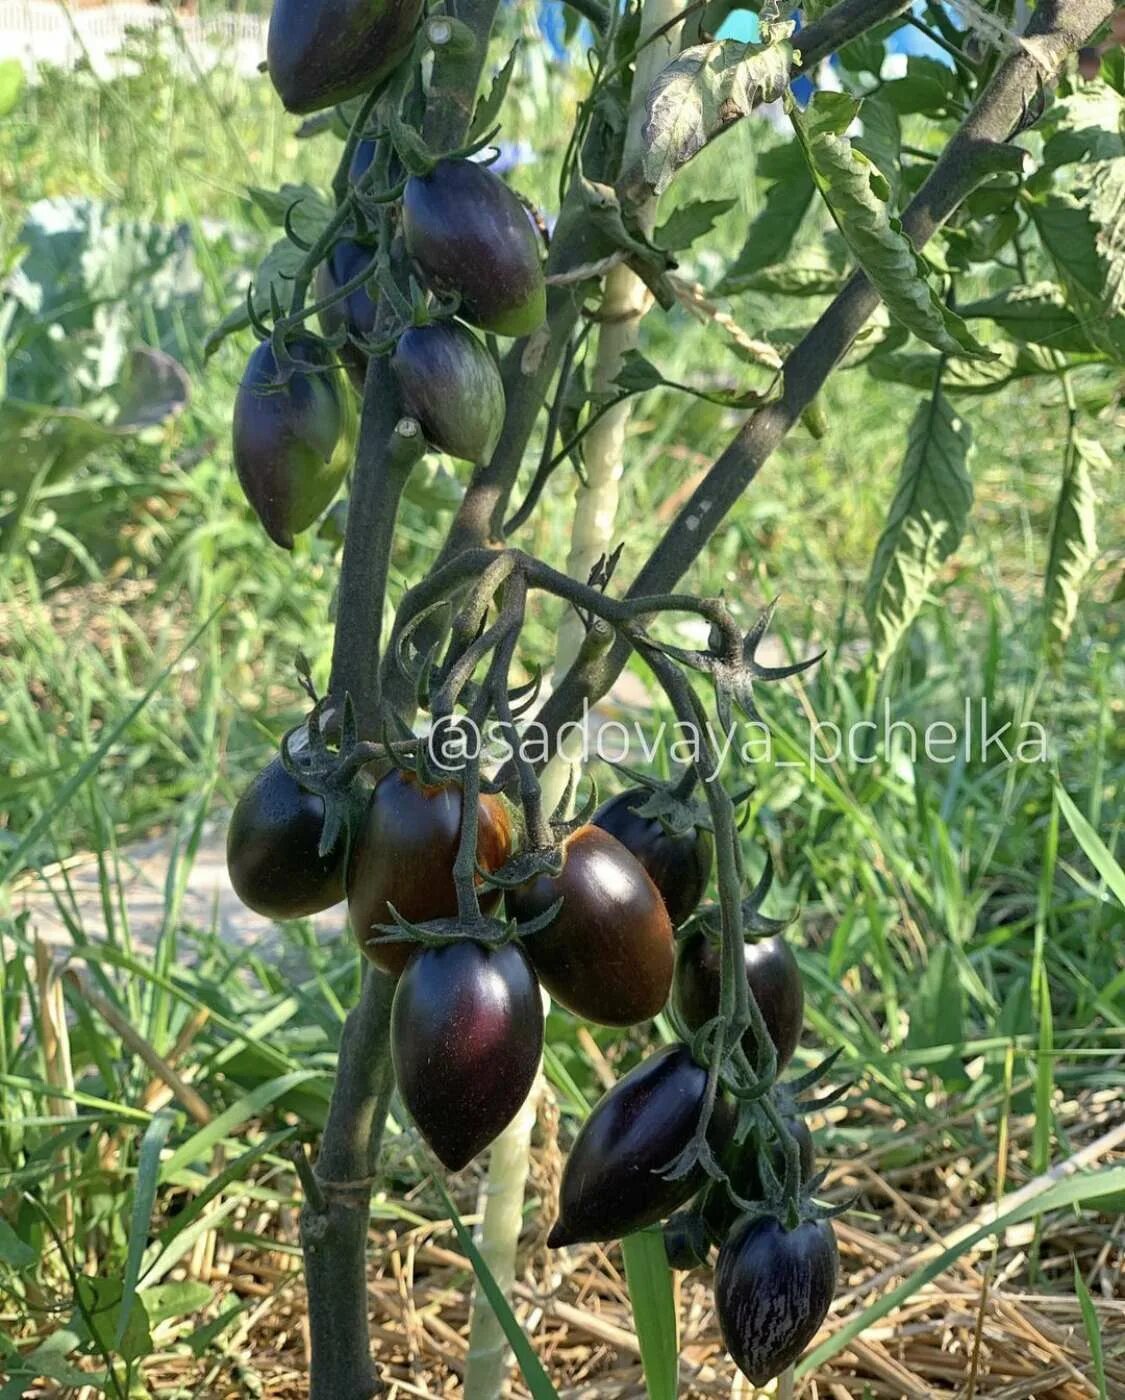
<point x="321" y="52"/>
<point x="742" y="1166"/>
<point x="470" y="235"/>
<point x="450" y="383"/>
<point x="403" y="855"/>
<point x="287" y="438"/>
<point x="609" y="952"/>
<point x="774" y="978"/>
<point x="679" y="866"/>
<point x="773" y="1289"/>
<point x="612" y="1182"/>
<point x="466" y="1036"/>
<point x="272" y="846"/>
<point x="356" y="312"/>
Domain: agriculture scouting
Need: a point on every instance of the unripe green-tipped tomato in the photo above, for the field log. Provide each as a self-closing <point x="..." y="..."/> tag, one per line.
<point x="470" y="235"/>
<point x="450" y="383"/>
<point x="272" y="846"/>
<point x="774" y="978"/>
<point x="321" y="52"/>
<point x="466" y="1036"/>
<point x="614" y="1180"/>
<point x="773" y="1289"/>
<point x="679" y="866"/>
<point x="608" y="953"/>
<point x="287" y="437"/>
<point x="403" y="855"/>
<point x="356" y="313"/>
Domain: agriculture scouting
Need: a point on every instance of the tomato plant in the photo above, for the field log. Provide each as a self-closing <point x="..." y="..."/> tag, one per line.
<point x="421" y="258"/>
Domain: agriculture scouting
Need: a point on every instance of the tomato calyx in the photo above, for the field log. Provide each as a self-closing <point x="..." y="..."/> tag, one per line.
<point x="668" y="803"/>
<point x="708" y="918"/>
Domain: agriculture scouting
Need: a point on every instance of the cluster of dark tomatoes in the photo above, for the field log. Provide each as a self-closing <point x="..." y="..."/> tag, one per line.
<point x="467" y="1019"/>
<point x="474" y="245"/>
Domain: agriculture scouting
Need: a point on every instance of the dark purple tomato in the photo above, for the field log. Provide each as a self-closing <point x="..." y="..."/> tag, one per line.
<point x="774" y="978"/>
<point x="470" y="235"/>
<point x="773" y="1289"/>
<point x="272" y="845"/>
<point x="609" y="952"/>
<point x="403" y="855"/>
<point x="286" y="438"/>
<point x="450" y="383"/>
<point x="679" y="866"/>
<point x="321" y="52"/>
<point x="741" y="1164"/>
<point x="612" y="1182"/>
<point x="356" y="313"/>
<point x="466" y="1036"/>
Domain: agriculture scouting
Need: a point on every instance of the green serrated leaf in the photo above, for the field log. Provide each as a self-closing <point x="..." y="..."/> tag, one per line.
<point x="308" y="210"/>
<point x="689" y="222"/>
<point x="1033" y="314"/>
<point x="1074" y="542"/>
<point x="772" y="232"/>
<point x="488" y="108"/>
<point x="1087" y="124"/>
<point x="1084" y="233"/>
<point x="925" y="524"/>
<point x="856" y="195"/>
<point x="637" y="375"/>
<point x="705" y="90"/>
<point x="881" y="141"/>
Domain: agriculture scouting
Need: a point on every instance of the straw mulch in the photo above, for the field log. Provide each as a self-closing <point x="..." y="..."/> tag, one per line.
<point x="981" y="1329"/>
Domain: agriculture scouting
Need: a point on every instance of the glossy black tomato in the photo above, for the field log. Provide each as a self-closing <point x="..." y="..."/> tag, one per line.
<point x="287" y="438"/>
<point x="272" y="846"/>
<point x="466" y="1036"/>
<point x="609" y="952"/>
<point x="321" y="52"/>
<point x="356" y="313"/>
<point x="773" y="1289"/>
<point x="470" y="235"/>
<point x="679" y="866"/>
<point x="774" y="978"/>
<point x="450" y="383"/>
<point x="742" y="1166"/>
<point x="612" y="1182"/>
<point x="403" y="855"/>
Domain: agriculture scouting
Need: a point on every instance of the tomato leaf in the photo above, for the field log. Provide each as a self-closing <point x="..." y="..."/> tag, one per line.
<point x="857" y="196"/>
<point x="774" y="227"/>
<point x="1085" y="236"/>
<point x="925" y="524"/>
<point x="703" y="91"/>
<point x="488" y="108"/>
<point x="1074" y="541"/>
<point x="689" y="222"/>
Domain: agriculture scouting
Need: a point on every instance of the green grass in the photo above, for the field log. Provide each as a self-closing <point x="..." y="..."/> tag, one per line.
<point x="958" y="921"/>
